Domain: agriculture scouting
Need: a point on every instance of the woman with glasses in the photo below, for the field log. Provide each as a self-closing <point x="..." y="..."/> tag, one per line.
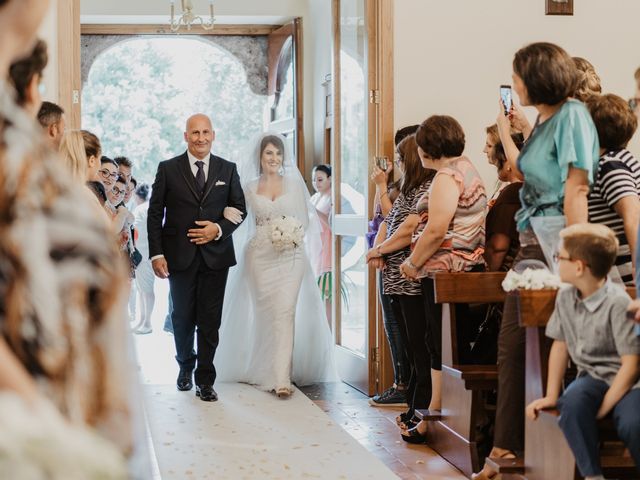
<point x="121" y="217"/>
<point x="108" y="173"/>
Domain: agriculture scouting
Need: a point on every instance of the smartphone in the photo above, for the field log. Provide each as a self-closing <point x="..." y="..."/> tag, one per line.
<point x="381" y="163"/>
<point x="505" y="96"/>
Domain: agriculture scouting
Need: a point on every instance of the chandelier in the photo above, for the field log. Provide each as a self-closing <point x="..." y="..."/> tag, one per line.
<point x="188" y="18"/>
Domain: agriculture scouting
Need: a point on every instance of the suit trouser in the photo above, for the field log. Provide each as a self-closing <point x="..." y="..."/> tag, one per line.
<point x="578" y="407"/>
<point x="197" y="294"/>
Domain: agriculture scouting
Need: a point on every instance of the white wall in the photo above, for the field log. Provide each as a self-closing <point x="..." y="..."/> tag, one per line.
<point x="49" y="33"/>
<point x="451" y="56"/>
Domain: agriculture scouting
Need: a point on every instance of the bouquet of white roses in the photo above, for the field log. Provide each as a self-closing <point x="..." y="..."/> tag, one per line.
<point x="287" y="233"/>
<point x="36" y="443"/>
<point x="531" y="279"/>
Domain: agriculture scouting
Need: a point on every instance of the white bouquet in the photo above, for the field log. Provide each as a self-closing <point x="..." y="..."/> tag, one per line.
<point x="531" y="279"/>
<point x="36" y="443"/>
<point x="286" y="233"/>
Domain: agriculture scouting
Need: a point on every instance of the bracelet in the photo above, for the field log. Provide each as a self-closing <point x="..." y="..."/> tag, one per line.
<point x="378" y="250"/>
<point x="382" y="194"/>
<point x="411" y="265"/>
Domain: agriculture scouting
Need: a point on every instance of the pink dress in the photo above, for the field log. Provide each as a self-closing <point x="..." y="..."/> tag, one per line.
<point x="322" y="262"/>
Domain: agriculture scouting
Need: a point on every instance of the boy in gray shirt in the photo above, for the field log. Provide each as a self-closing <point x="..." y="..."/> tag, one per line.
<point x="589" y="325"/>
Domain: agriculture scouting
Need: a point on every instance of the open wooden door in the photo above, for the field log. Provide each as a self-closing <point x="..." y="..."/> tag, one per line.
<point x="362" y="129"/>
<point x="285" y="86"/>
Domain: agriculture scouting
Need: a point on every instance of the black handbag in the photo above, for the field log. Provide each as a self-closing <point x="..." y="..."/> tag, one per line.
<point x="484" y="348"/>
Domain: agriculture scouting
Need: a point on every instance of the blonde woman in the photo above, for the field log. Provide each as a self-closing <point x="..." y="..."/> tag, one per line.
<point x="81" y="151"/>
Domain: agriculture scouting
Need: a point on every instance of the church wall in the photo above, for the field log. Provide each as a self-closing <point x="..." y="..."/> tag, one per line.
<point x="451" y="56"/>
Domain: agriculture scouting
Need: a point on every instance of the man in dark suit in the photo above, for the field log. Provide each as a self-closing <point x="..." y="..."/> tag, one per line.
<point x="193" y="247"/>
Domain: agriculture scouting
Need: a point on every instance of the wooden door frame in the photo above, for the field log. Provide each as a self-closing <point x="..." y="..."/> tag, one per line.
<point x="69" y="74"/>
<point x="379" y="14"/>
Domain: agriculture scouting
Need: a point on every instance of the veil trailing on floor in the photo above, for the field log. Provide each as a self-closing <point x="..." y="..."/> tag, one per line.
<point x="313" y="359"/>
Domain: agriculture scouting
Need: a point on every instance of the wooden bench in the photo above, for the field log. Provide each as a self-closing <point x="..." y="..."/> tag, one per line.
<point x="453" y="433"/>
<point x="547" y="453"/>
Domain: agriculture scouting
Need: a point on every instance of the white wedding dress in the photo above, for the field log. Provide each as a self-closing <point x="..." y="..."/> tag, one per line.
<point x="274" y="328"/>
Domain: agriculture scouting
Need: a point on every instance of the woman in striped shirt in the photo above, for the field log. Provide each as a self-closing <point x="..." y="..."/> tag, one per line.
<point x="406" y="296"/>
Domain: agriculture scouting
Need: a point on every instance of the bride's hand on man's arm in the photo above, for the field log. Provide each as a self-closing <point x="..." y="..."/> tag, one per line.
<point x="233" y="215"/>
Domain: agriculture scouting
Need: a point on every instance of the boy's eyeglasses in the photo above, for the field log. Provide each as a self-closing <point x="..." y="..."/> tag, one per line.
<point x="117" y="191"/>
<point x="557" y="257"/>
<point x="104" y="173"/>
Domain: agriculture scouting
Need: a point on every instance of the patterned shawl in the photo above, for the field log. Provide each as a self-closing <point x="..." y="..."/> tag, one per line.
<point x="62" y="283"/>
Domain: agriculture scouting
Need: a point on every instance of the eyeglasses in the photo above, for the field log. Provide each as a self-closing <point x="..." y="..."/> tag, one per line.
<point x="104" y="173"/>
<point x="557" y="257"/>
<point x="117" y="191"/>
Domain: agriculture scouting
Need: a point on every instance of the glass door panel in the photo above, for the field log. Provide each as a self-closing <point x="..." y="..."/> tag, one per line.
<point x="351" y="143"/>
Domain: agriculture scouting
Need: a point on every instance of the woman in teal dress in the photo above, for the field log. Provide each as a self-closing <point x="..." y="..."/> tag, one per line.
<point x="557" y="165"/>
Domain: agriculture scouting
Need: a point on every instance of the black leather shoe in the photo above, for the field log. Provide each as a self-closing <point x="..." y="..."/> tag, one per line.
<point x="206" y="393"/>
<point x="184" y="382"/>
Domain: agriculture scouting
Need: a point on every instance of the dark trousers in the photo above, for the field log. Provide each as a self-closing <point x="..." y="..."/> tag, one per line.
<point x="197" y="294"/>
<point x="578" y="407"/>
<point x="396" y="334"/>
<point x="168" y="326"/>
<point x="509" y="427"/>
<point x="409" y="310"/>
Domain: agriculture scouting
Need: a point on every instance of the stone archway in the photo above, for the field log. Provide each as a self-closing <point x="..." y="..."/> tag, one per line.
<point x="250" y="50"/>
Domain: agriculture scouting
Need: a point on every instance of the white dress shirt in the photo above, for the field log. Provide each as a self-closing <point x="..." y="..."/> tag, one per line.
<point x="194" y="169"/>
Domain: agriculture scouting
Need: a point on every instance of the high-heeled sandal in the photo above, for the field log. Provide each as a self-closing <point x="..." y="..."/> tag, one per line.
<point x="283" y="392"/>
<point x="484" y="475"/>
<point x="414" y="436"/>
<point x="405" y="422"/>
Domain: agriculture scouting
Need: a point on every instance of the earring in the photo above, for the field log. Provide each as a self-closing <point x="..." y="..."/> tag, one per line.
<point x="281" y="171"/>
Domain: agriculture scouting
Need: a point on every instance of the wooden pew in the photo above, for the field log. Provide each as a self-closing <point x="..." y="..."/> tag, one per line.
<point x="547" y="453"/>
<point x="453" y="433"/>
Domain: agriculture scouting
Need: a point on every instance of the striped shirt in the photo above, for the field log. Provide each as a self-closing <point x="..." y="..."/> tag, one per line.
<point x="392" y="281"/>
<point x="618" y="176"/>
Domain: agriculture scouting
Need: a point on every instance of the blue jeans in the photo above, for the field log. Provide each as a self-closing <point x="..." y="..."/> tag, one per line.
<point x="401" y="366"/>
<point x="578" y="407"/>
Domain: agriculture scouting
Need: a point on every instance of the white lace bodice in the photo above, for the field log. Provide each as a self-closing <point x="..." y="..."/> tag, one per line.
<point x="265" y="210"/>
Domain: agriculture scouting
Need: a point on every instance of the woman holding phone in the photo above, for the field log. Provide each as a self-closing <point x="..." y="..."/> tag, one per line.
<point x="557" y="165"/>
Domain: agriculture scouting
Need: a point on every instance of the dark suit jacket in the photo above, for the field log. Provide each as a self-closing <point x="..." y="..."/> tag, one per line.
<point x="175" y="199"/>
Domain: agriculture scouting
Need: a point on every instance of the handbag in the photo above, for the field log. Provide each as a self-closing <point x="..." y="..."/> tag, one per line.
<point x="484" y="347"/>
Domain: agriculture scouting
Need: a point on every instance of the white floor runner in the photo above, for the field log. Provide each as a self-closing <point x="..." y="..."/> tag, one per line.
<point x="251" y="434"/>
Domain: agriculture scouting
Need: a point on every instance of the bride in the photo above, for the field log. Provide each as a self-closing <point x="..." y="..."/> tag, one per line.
<point x="274" y="329"/>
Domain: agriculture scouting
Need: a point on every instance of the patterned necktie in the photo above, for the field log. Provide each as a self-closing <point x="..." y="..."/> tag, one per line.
<point x="200" y="181"/>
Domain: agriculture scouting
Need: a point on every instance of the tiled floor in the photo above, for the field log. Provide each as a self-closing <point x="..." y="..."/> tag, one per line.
<point x="375" y="428"/>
